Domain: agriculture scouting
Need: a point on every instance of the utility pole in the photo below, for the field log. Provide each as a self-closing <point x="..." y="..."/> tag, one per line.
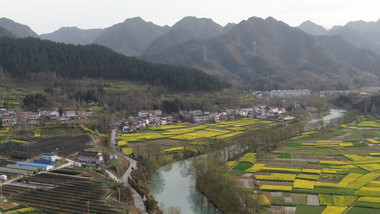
<point x="118" y="191"/>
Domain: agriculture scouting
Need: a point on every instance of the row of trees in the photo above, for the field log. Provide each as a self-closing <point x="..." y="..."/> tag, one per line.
<point x="30" y="55"/>
<point x="364" y="103"/>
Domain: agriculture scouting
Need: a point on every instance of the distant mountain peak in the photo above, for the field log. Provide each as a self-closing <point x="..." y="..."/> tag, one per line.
<point x="134" y="19"/>
<point x="270" y="18"/>
<point x="202" y="28"/>
<point x="130" y="37"/>
<point x="312" y="28"/>
<point x="192" y="20"/>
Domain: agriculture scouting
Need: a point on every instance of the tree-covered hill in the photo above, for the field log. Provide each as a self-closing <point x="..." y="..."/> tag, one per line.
<point x="19" y="57"/>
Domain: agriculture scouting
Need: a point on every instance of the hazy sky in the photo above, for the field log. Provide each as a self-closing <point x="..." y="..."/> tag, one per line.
<point x="45" y="16"/>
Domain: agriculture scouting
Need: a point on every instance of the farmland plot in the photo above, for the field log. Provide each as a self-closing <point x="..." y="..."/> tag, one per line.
<point x="329" y="170"/>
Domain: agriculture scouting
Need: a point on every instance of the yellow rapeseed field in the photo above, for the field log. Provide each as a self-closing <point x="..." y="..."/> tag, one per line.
<point x="303" y="184"/>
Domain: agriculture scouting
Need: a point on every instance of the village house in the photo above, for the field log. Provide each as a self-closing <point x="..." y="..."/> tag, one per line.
<point x="185" y="115"/>
<point x="71" y="114"/>
<point x="49" y="157"/>
<point x="53" y="115"/>
<point x="113" y="156"/>
<point x="81" y="113"/>
<point x="154" y="119"/>
<point x="163" y="121"/>
<point x="30" y="116"/>
<point x="11" y="111"/>
<point x="44" y="112"/>
<point x="145" y="113"/>
<point x="230" y="112"/>
<point x="289" y="93"/>
<point x="90" y="157"/>
<point x="142" y="123"/>
<point x="196" y="112"/>
<point x="201" y="118"/>
<point x="8" y="119"/>
<point x="157" y="112"/>
<point x="215" y="117"/>
<point x="62" y="119"/>
<point x="241" y="112"/>
<point x="127" y="129"/>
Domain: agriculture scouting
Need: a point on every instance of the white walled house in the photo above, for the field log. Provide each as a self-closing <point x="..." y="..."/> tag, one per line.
<point x="49" y="157"/>
<point x="90" y="157"/>
<point x="201" y="118"/>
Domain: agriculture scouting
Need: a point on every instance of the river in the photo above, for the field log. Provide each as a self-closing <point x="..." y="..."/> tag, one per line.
<point x="173" y="185"/>
<point x="331" y="119"/>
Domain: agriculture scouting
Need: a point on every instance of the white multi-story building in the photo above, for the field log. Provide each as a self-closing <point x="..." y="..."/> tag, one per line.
<point x="289" y="93"/>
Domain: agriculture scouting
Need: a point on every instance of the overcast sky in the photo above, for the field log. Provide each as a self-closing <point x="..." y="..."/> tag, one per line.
<point x="45" y="16"/>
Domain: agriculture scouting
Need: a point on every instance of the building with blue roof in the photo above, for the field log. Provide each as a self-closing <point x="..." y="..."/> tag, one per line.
<point x="44" y="167"/>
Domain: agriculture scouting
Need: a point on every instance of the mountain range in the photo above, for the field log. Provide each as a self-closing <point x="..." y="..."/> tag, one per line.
<point x="256" y="53"/>
<point x="359" y="33"/>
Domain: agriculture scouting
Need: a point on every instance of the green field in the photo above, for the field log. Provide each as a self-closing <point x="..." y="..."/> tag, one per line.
<point x="340" y="166"/>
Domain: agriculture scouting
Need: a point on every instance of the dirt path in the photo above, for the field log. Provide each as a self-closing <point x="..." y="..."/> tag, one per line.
<point x="113" y="140"/>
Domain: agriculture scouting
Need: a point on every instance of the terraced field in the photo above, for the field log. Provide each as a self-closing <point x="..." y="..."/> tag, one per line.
<point x="61" y="193"/>
<point x="333" y="171"/>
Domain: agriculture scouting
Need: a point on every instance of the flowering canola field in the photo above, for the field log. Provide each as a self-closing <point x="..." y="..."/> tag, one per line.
<point x="343" y="175"/>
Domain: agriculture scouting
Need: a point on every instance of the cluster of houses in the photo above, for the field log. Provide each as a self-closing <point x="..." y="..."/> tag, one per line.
<point x="281" y="93"/>
<point x="260" y="111"/>
<point x="149" y="118"/>
<point x="9" y="116"/>
<point x="46" y="163"/>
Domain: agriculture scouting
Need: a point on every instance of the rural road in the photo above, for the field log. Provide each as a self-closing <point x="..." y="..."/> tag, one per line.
<point x="139" y="204"/>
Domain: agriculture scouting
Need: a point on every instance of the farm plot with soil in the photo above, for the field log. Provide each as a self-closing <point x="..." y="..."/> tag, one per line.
<point x="336" y="170"/>
<point x="61" y="192"/>
<point x="44" y="145"/>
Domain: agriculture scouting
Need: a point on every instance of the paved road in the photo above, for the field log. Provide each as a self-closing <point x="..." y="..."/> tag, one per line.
<point x="139" y="204"/>
<point x="132" y="164"/>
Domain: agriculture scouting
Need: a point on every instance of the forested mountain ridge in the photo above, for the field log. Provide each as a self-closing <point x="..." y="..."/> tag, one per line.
<point x="268" y="54"/>
<point x="17" y="29"/>
<point x="20" y="57"/>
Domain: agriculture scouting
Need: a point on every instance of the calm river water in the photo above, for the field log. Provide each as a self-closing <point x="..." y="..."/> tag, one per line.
<point x="173" y="186"/>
